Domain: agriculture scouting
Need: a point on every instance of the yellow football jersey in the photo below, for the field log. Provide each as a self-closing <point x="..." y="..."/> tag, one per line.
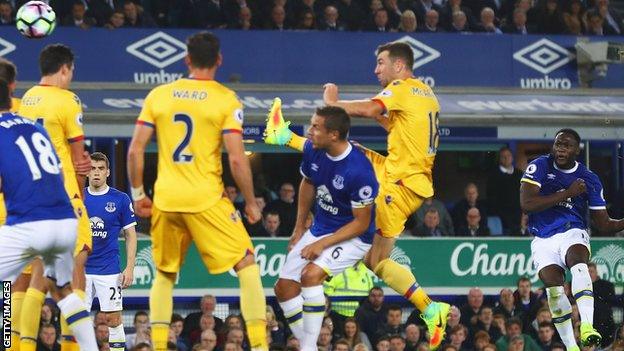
<point x="412" y="110"/>
<point x="15" y="104"/>
<point x="61" y="113"/>
<point x="190" y="117"/>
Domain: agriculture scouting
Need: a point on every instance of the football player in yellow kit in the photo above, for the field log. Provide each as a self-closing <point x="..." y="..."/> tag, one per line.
<point x="408" y="109"/>
<point x="193" y="119"/>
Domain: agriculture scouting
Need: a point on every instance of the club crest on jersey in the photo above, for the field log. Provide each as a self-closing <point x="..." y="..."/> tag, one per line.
<point x="338" y="181"/>
<point x="388" y="199"/>
<point x="110" y="207"/>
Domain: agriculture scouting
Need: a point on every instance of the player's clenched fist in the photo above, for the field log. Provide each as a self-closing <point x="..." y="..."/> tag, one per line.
<point x="253" y="213"/>
<point x="312" y="251"/>
<point x="143" y="207"/>
<point x="577" y="188"/>
<point x="330" y="94"/>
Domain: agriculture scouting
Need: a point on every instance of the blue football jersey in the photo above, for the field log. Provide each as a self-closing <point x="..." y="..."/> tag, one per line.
<point x="110" y="211"/>
<point x="30" y="171"/>
<point x="342" y="183"/>
<point x="568" y="214"/>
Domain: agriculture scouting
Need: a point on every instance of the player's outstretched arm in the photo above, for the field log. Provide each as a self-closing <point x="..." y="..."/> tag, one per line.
<point x="604" y="223"/>
<point x="136" y="163"/>
<point x="532" y="201"/>
<point x="355" y="108"/>
<point x="131" y="246"/>
<point x="241" y="172"/>
<point x="357" y="226"/>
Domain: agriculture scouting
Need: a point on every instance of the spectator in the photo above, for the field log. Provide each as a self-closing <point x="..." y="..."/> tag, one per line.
<point x="231" y="191"/>
<point x="422" y="7"/>
<point x="446" y="223"/>
<point x="526" y="301"/>
<point x="613" y="22"/>
<point x="101" y="335"/>
<point x="432" y="22"/>
<point x="473" y="226"/>
<point x="78" y="17"/>
<point x="518" y="24"/>
<point x="397" y="343"/>
<point x="394" y="12"/>
<point x="543" y="315"/>
<point x="506" y="304"/>
<point x="286" y="207"/>
<point x="270" y="225"/>
<point x="408" y="22"/>
<point x="351" y="14"/>
<point x="459" y="23"/>
<point x="51" y="315"/>
<point x="470" y="200"/>
<point x="480" y="340"/>
<point x="116" y="20"/>
<point x="356" y="282"/>
<point x="328" y="322"/>
<point x="243" y="21"/>
<point x="487" y="25"/>
<point x="361" y="347"/>
<point x="573" y="18"/>
<point x="101" y="10"/>
<point x="371" y="314"/>
<point x="449" y="10"/>
<point x="100" y="317"/>
<point x="207" y="305"/>
<point x="277" y="19"/>
<point x="557" y="346"/>
<point x="490" y="347"/>
<point x="293" y="342"/>
<point x="142" y="346"/>
<point x="208" y="340"/>
<point x="550" y="18"/>
<point x="330" y="22"/>
<point x="470" y="310"/>
<point x="140" y="324"/>
<point x="604" y="300"/>
<point x="383" y="344"/>
<point x="236" y="335"/>
<point x="307" y="20"/>
<point x="393" y="325"/>
<point x="6" y="13"/>
<point x="485" y="322"/>
<point x="177" y="324"/>
<point x="47" y="338"/>
<point x="324" y="339"/>
<point x="380" y="22"/>
<point x="499" y="322"/>
<point x="232" y="346"/>
<point x="206" y="322"/>
<point x="353" y="335"/>
<point x="430" y="225"/>
<point x="136" y="17"/>
<point x="457" y="337"/>
<point x="595" y="23"/>
<point x="545" y="335"/>
<point x="341" y="345"/>
<point x="412" y="337"/>
<point x="514" y="332"/>
<point x="275" y="327"/>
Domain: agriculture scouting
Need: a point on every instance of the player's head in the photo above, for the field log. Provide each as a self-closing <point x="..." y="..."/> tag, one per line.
<point x="329" y="125"/>
<point x="566" y="148"/>
<point x="5" y="96"/>
<point x="8" y="73"/>
<point x="100" y="170"/>
<point x="394" y="61"/>
<point x="57" y="60"/>
<point x="203" y="51"/>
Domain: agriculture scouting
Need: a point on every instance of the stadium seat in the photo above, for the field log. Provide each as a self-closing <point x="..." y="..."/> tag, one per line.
<point x="495" y="225"/>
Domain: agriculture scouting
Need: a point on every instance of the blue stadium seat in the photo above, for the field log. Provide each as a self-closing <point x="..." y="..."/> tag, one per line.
<point x="495" y="225"/>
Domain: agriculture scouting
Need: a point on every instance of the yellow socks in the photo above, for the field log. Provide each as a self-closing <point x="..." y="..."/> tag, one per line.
<point x="253" y="306"/>
<point x="296" y="142"/>
<point x="29" y="319"/>
<point x="403" y="281"/>
<point x="16" y="307"/>
<point x="161" y="307"/>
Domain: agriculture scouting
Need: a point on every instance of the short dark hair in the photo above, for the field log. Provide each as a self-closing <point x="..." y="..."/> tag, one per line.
<point x="336" y="119"/>
<point x="98" y="156"/>
<point x="138" y="314"/>
<point x="342" y="342"/>
<point x="376" y="288"/>
<point x="545" y="324"/>
<point x="398" y="50"/>
<point x="8" y="72"/>
<point x="203" y="49"/>
<point x="512" y="321"/>
<point x="53" y="57"/>
<point x="504" y="148"/>
<point x="397" y="336"/>
<point x="176" y="318"/>
<point x="522" y="279"/>
<point x="432" y="210"/>
<point x="394" y="307"/>
<point x="571" y="132"/>
<point x="271" y="213"/>
<point x="5" y="95"/>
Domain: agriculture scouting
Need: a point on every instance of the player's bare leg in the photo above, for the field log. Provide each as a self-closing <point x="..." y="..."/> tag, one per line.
<point x="116" y="334"/>
<point x="30" y="315"/>
<point x="18" y="291"/>
<point x="312" y="277"/>
<point x="252" y="301"/>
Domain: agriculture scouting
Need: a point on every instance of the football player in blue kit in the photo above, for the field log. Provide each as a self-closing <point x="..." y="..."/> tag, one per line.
<point x="556" y="191"/>
<point x="110" y="212"/>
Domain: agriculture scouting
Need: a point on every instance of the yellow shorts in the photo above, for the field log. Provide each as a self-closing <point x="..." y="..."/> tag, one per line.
<point x="394" y="203"/>
<point x="84" y="238"/>
<point x="218" y="233"/>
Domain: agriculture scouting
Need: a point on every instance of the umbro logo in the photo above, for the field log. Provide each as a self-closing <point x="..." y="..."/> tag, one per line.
<point x="314" y="167"/>
<point x="159" y="49"/>
<point x="423" y="54"/>
<point x="543" y="56"/>
<point x="551" y="176"/>
<point x="6" y="47"/>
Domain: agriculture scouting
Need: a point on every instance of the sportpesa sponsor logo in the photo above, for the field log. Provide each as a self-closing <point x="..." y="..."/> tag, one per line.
<point x="160" y="50"/>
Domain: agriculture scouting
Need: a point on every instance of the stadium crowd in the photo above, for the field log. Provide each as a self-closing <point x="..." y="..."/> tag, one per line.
<point x="512" y="321"/>
<point x="576" y="17"/>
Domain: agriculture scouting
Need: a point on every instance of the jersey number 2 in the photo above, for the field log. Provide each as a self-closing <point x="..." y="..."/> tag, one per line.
<point x="178" y="156"/>
<point x="47" y="158"/>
